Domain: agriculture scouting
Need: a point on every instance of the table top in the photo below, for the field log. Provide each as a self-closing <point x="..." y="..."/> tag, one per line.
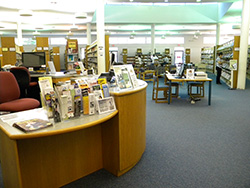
<point x="173" y="78"/>
<point x="70" y="125"/>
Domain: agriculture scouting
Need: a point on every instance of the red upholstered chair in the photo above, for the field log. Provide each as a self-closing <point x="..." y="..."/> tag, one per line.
<point x="10" y="93"/>
<point x="23" y="79"/>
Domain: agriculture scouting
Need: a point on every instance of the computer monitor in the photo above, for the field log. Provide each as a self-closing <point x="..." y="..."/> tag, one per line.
<point x="34" y="59"/>
<point x="180" y="69"/>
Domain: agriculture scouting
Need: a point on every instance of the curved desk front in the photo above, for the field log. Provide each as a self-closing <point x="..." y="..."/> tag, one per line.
<point x="70" y="150"/>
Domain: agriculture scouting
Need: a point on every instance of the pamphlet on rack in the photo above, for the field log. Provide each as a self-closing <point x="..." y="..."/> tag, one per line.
<point x="125" y="77"/>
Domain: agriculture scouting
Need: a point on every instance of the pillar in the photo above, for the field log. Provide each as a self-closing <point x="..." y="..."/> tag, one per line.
<point x="242" y="65"/>
<point x="100" y="36"/>
<point x="19" y="34"/>
<point x="153" y="38"/>
<point x="88" y="33"/>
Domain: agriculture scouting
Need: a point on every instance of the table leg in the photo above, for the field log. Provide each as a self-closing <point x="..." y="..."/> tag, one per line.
<point x="209" y="93"/>
<point x="169" y="91"/>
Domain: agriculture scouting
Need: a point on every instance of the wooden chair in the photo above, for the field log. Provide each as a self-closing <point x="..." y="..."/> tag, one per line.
<point x="148" y="75"/>
<point x="174" y="87"/>
<point x="199" y="87"/>
<point x="157" y="88"/>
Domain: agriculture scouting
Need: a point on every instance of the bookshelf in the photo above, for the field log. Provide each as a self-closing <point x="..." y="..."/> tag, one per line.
<point x="230" y="51"/>
<point x="187" y="58"/>
<point x="8" y="51"/>
<point x="248" y="63"/>
<point x="91" y="56"/>
<point x="55" y="57"/>
<point x="42" y="45"/>
<point x="71" y="52"/>
<point x="208" y="58"/>
<point x="124" y="55"/>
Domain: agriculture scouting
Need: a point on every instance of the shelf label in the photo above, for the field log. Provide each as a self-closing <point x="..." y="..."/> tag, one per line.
<point x="237" y="49"/>
<point x="12" y="49"/>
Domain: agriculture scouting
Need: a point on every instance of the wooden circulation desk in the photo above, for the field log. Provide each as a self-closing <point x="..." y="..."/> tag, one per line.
<point x="55" y="156"/>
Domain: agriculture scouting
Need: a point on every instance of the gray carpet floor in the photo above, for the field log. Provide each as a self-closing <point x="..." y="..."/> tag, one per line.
<point x="189" y="145"/>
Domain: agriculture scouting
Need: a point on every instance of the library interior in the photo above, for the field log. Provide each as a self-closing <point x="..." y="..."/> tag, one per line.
<point x="113" y="93"/>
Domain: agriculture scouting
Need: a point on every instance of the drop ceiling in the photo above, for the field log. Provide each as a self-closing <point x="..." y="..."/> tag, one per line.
<point x="172" y="17"/>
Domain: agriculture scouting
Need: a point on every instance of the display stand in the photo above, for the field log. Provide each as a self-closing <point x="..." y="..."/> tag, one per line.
<point x="70" y="150"/>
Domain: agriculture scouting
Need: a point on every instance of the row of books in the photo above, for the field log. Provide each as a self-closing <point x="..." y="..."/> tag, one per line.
<point x="66" y="100"/>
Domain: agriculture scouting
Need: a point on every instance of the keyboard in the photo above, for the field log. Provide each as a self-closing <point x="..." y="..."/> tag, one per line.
<point x="36" y="72"/>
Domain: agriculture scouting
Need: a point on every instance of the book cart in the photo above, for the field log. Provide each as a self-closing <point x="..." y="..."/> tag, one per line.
<point x="73" y="148"/>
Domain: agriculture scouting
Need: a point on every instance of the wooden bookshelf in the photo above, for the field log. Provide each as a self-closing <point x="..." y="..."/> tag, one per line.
<point x="8" y="51"/>
<point x="187" y="52"/>
<point x="71" y="52"/>
<point x="55" y="57"/>
<point x="42" y="45"/>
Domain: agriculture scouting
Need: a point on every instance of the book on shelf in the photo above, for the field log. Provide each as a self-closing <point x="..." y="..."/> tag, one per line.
<point x="32" y="124"/>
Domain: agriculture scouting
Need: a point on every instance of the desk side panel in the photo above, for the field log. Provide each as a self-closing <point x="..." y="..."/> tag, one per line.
<point x="9" y="161"/>
<point x="60" y="159"/>
<point x="132" y="128"/>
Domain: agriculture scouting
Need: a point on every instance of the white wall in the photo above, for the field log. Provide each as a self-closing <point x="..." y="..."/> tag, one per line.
<point x="194" y="44"/>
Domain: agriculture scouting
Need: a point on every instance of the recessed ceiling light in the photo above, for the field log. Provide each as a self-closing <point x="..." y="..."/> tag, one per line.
<point x="70" y="33"/>
<point x="131" y="0"/>
<point x="36" y="33"/>
<point x="198" y="1"/>
<point x="81" y="15"/>
<point x="25" y="12"/>
<point x="74" y="27"/>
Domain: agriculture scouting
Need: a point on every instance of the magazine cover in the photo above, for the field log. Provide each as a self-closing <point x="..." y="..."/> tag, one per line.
<point x="106" y="105"/>
<point x="32" y="125"/>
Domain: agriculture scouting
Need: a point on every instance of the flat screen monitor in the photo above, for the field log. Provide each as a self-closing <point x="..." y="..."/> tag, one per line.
<point x="33" y="59"/>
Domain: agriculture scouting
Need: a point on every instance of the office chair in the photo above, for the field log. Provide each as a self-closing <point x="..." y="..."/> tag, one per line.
<point x="23" y="79"/>
<point x="10" y="100"/>
<point x="157" y="88"/>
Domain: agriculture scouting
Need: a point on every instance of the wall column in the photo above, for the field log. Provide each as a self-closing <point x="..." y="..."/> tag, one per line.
<point x="242" y="64"/>
<point x="153" y="38"/>
<point x="217" y="42"/>
<point x="19" y="34"/>
<point x="100" y="36"/>
<point x="88" y="33"/>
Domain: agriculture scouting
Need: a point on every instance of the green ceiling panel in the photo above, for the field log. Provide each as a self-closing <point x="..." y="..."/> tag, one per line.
<point x="203" y="13"/>
<point x="223" y="8"/>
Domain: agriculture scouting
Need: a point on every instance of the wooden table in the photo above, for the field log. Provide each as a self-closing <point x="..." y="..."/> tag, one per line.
<point x="171" y="78"/>
<point x="67" y="151"/>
